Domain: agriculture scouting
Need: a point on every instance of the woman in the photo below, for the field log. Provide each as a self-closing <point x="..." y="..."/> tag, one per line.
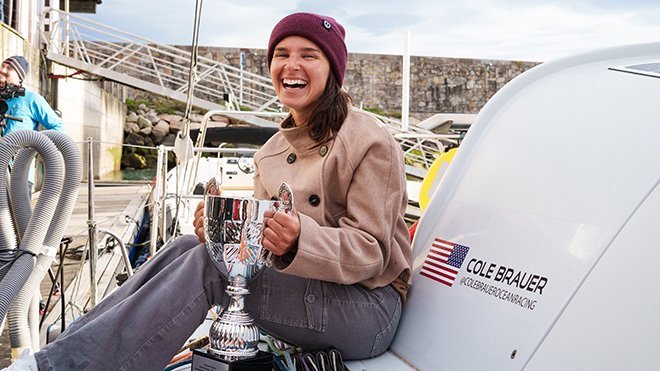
<point x="342" y="260"/>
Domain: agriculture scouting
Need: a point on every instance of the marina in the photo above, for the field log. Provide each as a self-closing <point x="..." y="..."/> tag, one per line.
<point x="117" y="206"/>
<point x="514" y="212"/>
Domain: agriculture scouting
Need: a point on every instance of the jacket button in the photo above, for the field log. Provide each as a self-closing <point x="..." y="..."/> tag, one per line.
<point x="323" y="151"/>
<point x="291" y="158"/>
<point x="314" y="200"/>
<point x="310" y="298"/>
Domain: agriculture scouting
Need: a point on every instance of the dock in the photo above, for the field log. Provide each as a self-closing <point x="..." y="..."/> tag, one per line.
<point x="117" y="208"/>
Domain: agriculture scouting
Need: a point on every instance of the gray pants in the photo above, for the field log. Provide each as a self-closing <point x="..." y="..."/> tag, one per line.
<point x="144" y="322"/>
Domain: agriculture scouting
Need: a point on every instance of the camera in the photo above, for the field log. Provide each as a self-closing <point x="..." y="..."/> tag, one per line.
<point x="9" y="92"/>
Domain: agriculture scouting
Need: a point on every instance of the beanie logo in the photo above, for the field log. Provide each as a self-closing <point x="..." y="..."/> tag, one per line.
<point x="327" y="25"/>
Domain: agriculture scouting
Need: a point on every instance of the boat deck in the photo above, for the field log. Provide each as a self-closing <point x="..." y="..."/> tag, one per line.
<point x="117" y="206"/>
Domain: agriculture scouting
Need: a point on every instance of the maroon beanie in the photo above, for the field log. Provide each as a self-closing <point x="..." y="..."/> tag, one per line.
<point x="322" y="30"/>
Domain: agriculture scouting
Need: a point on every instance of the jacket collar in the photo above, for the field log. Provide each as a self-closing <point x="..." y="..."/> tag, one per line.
<point x="298" y="137"/>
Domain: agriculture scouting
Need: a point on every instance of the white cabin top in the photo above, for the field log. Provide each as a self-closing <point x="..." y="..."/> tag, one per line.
<point x="540" y="249"/>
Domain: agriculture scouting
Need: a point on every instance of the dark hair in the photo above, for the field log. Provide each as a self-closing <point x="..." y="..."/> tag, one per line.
<point x="329" y="112"/>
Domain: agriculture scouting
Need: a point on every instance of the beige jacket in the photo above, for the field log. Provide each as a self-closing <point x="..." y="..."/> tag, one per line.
<point x="350" y="194"/>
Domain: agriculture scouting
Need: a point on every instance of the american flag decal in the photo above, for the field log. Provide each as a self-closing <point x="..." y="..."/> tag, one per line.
<point x="444" y="261"/>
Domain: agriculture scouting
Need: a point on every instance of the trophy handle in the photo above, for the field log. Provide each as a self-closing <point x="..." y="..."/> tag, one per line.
<point x="285" y="198"/>
<point x="285" y="205"/>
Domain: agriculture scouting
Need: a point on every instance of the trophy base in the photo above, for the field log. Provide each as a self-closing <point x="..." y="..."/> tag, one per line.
<point x="202" y="360"/>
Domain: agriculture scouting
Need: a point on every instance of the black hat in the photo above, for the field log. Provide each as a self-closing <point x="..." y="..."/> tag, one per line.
<point x="19" y="64"/>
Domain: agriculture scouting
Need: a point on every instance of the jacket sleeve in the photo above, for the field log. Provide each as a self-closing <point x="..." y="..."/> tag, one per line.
<point x="359" y="248"/>
<point x="44" y="114"/>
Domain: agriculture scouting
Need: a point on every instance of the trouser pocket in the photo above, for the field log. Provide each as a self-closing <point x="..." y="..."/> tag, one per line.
<point x="292" y="301"/>
<point x="385" y="337"/>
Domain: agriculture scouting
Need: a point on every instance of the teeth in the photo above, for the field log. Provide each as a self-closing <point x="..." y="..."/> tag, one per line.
<point x="294" y="82"/>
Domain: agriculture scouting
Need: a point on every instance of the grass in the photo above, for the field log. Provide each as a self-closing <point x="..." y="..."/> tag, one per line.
<point x="161" y="105"/>
<point x="378" y="111"/>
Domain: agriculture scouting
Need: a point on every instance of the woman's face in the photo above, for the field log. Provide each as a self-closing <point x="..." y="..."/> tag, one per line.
<point x="299" y="71"/>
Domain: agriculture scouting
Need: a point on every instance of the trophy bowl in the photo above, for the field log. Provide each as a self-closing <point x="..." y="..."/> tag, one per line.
<point x="233" y="230"/>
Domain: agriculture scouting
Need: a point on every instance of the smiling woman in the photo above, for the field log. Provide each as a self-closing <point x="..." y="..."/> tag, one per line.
<point x="342" y="259"/>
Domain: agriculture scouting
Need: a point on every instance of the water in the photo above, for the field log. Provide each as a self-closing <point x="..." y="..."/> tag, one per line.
<point x="130" y="175"/>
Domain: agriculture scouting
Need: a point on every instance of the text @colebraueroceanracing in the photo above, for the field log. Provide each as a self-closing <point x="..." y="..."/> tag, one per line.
<point x="516" y="279"/>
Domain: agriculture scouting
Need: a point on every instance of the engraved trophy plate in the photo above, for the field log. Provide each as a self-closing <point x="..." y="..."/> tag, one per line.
<point x="233" y="229"/>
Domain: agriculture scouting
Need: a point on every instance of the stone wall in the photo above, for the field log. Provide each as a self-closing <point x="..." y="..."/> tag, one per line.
<point x="374" y="80"/>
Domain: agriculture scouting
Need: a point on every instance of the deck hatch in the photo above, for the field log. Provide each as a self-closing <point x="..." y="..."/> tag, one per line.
<point x="645" y="69"/>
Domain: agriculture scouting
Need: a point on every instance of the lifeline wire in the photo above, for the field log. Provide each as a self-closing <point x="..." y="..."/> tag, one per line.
<point x="192" y="76"/>
<point x="192" y="79"/>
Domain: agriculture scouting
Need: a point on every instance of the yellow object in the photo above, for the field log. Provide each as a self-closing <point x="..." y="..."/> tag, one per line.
<point x="434" y="176"/>
<point x="16" y="352"/>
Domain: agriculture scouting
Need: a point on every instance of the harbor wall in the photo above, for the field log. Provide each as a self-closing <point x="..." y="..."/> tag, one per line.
<point x="374" y="81"/>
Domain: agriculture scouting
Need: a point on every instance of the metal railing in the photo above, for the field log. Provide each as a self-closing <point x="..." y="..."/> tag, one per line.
<point x="133" y="60"/>
<point x="420" y="146"/>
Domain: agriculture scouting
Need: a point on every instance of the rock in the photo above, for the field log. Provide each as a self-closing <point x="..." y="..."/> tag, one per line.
<point x="235" y="121"/>
<point x="169" y="140"/>
<point x="131" y="117"/>
<point x="160" y="131"/>
<point x="134" y="139"/>
<point x="143" y="107"/>
<point x="133" y="160"/>
<point x="149" y="142"/>
<point x="152" y="117"/>
<point x="152" y="160"/>
<point x="220" y="118"/>
<point x="143" y="122"/>
<point x="131" y="127"/>
<point x="196" y="118"/>
<point x="169" y="118"/>
<point x="146" y="131"/>
<point x="175" y="126"/>
<point x="195" y="125"/>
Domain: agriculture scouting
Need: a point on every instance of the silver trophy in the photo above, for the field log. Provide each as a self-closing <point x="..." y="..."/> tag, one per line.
<point x="233" y="229"/>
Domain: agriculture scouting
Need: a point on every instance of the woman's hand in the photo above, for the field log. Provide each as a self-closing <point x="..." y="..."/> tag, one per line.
<point x="198" y="223"/>
<point x="281" y="232"/>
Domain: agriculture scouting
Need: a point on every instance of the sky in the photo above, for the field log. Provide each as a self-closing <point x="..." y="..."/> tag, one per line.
<point x="524" y="30"/>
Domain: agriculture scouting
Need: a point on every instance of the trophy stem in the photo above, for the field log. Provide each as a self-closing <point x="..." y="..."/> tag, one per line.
<point x="233" y="335"/>
<point x="237" y="289"/>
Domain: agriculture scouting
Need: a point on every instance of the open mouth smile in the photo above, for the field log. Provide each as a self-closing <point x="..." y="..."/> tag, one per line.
<point x="294" y="83"/>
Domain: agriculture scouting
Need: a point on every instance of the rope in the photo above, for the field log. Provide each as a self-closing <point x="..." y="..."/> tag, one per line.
<point x="177" y="365"/>
<point x="192" y="76"/>
<point x="197" y="343"/>
<point x="177" y="359"/>
<point x="280" y="350"/>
